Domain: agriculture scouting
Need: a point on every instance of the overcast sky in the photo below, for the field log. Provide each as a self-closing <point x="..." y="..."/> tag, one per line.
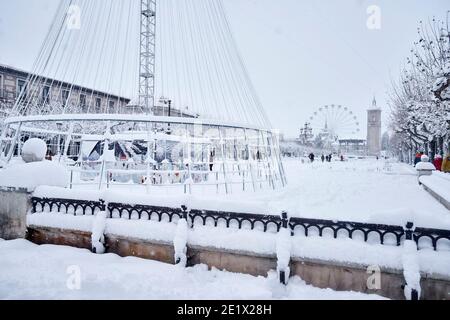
<point x="301" y="54"/>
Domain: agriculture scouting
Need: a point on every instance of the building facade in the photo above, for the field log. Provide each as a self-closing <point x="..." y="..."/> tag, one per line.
<point x="374" y="130"/>
<point x="72" y="98"/>
<point x="56" y="94"/>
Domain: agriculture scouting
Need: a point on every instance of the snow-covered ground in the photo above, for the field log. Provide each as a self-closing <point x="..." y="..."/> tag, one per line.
<point x="28" y="271"/>
<point x="357" y="190"/>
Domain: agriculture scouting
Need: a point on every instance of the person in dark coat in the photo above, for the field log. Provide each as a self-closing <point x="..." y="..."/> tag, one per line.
<point x="418" y="158"/>
<point x="323" y="158"/>
<point x="312" y="157"/>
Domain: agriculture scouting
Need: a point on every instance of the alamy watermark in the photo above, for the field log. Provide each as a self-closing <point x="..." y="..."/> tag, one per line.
<point x="73" y="281"/>
<point x="374" y="17"/>
<point x="374" y="280"/>
<point x="74" y="18"/>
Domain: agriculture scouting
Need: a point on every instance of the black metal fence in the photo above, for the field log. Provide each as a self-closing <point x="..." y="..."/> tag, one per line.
<point x="373" y="233"/>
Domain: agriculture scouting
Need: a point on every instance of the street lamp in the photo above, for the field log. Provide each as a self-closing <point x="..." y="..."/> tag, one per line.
<point x="59" y="126"/>
<point x="168" y="102"/>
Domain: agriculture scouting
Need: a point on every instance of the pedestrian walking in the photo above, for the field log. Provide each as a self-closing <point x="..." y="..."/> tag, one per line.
<point x="418" y="158"/>
<point x="212" y="155"/>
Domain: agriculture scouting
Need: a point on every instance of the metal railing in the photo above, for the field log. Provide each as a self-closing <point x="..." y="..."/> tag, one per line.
<point x="374" y="233"/>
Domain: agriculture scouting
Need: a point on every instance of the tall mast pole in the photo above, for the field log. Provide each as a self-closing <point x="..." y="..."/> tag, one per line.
<point x="147" y="56"/>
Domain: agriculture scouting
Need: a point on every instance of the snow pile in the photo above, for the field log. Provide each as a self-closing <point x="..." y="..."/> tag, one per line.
<point x="60" y="221"/>
<point x="438" y="183"/>
<point x="34" y="150"/>
<point x="64" y="193"/>
<point x="425" y="164"/>
<point x="411" y="269"/>
<point x="34" y="174"/>
<point x="396" y="217"/>
<point x="180" y="243"/>
<point x="112" y="277"/>
<point x="98" y="233"/>
<point x="284" y="246"/>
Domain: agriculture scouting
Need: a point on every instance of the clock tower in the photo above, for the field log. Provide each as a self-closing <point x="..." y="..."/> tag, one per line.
<point x="374" y="130"/>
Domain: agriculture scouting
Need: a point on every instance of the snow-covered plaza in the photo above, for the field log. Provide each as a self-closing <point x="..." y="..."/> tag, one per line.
<point x="28" y="271"/>
<point x="364" y="190"/>
<point x="224" y="150"/>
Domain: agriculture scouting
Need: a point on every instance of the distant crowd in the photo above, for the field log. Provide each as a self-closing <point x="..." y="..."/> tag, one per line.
<point x="327" y="158"/>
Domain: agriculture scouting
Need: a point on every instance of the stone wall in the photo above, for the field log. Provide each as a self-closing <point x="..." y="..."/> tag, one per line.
<point x="14" y="205"/>
<point x="321" y="274"/>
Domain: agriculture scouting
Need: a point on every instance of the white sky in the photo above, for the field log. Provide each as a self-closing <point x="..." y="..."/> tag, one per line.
<point x="301" y="54"/>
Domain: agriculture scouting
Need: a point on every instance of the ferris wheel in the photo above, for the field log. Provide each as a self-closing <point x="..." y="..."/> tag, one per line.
<point x="335" y="120"/>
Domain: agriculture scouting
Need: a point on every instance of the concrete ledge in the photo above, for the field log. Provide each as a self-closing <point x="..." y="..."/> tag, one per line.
<point x="232" y="261"/>
<point x="60" y="237"/>
<point x="124" y="247"/>
<point x="14" y="206"/>
<point x="321" y="274"/>
<point x="347" y="278"/>
<point x="439" y="198"/>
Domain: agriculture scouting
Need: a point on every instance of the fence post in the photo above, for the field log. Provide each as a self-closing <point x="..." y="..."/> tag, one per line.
<point x="186" y="215"/>
<point x="284" y="249"/>
<point x="180" y="239"/>
<point x="411" y="269"/>
<point x="71" y="178"/>
<point x="409" y="231"/>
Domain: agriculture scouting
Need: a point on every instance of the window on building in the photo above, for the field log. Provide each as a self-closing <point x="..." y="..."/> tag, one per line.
<point x="46" y="94"/>
<point x="64" y="97"/>
<point x="83" y="105"/>
<point x="21" y="87"/>
<point x="98" y="105"/>
<point x="1" y="87"/>
<point x="111" y="106"/>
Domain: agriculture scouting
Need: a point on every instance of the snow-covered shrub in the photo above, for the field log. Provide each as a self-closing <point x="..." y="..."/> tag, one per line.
<point x="34" y="150"/>
<point x="180" y="243"/>
<point x="98" y="230"/>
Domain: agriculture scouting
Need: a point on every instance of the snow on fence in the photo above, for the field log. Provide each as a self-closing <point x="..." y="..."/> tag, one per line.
<point x="284" y="226"/>
<point x="367" y="232"/>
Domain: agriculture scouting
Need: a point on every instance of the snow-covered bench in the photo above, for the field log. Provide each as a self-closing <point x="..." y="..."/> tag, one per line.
<point x="438" y="185"/>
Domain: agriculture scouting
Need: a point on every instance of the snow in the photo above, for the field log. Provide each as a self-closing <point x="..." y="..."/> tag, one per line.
<point x="26" y="274"/>
<point x="60" y="221"/>
<point x="284" y="245"/>
<point x="340" y="251"/>
<point x="438" y="183"/>
<point x="98" y="232"/>
<point x="411" y="268"/>
<point x="357" y="190"/>
<point x="34" y="150"/>
<point x="34" y="174"/>
<point x="425" y="166"/>
<point x="64" y="193"/>
<point x="180" y="242"/>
